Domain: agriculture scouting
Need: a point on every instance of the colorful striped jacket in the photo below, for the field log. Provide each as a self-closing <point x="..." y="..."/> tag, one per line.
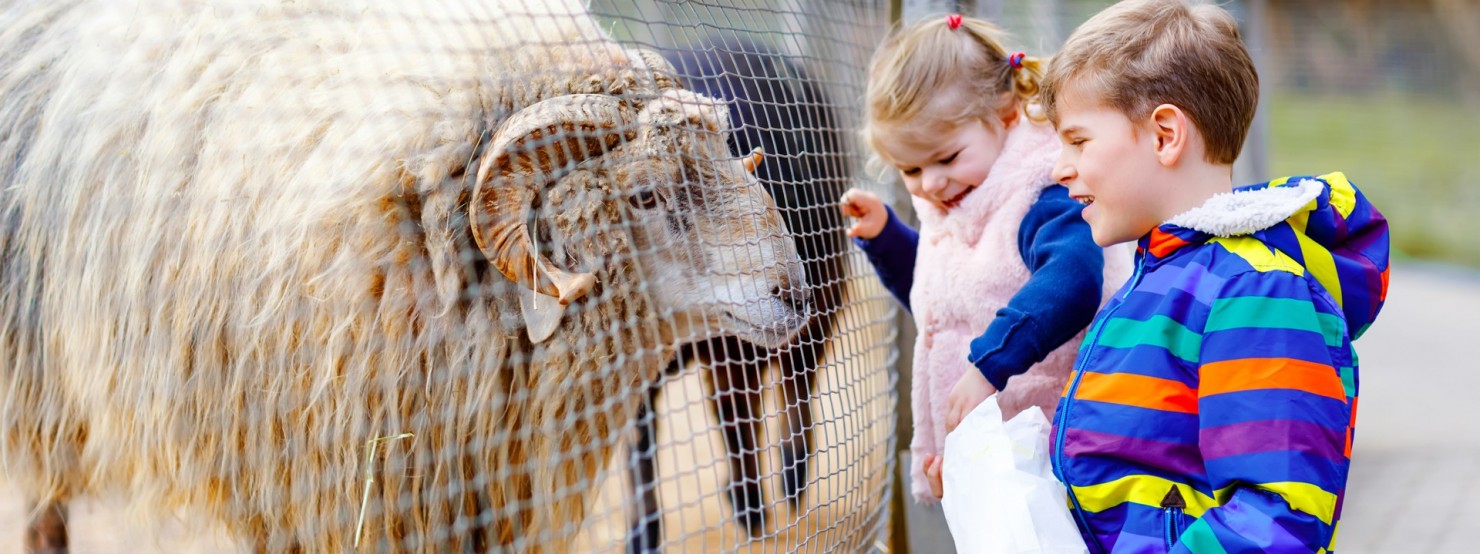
<point x="1213" y="400"/>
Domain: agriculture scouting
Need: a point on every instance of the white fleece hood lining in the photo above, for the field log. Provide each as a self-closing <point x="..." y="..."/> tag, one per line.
<point x="1246" y="212"/>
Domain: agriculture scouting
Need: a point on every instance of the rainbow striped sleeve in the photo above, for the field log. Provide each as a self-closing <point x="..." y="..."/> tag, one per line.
<point x="1274" y="417"/>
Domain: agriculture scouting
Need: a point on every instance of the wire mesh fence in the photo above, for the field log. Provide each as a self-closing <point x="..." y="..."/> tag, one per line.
<point x="444" y="275"/>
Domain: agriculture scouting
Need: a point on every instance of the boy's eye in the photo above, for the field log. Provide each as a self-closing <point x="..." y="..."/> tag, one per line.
<point x="950" y="158"/>
<point x="911" y="172"/>
<point x="1076" y="142"/>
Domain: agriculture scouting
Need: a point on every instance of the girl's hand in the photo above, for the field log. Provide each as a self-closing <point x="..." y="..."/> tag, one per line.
<point x="969" y="392"/>
<point x="868" y="209"/>
<point x="934" y="465"/>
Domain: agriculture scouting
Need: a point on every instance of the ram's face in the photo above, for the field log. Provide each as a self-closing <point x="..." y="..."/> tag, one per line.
<point x="715" y="253"/>
<point x="652" y="203"/>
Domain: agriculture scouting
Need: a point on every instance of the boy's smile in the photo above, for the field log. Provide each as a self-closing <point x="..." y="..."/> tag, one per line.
<point x="1109" y="166"/>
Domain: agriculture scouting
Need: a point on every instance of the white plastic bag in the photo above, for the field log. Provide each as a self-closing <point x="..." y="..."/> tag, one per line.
<point x="1000" y="495"/>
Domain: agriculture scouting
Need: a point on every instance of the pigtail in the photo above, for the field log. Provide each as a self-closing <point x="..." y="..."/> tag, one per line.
<point x="1016" y="72"/>
<point x="1027" y="82"/>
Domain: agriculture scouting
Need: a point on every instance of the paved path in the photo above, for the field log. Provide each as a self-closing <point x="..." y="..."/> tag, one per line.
<point x="1415" y="477"/>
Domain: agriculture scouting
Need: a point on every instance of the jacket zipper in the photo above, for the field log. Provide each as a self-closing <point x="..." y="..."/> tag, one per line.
<point x="1172" y="508"/>
<point x="1173" y="522"/>
<point x="1057" y="454"/>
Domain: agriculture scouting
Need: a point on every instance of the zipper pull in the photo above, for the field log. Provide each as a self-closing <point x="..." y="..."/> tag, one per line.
<point x="1173" y="499"/>
<point x="1135" y="275"/>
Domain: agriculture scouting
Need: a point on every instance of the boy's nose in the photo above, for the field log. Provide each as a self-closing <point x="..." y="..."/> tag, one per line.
<point x="1063" y="172"/>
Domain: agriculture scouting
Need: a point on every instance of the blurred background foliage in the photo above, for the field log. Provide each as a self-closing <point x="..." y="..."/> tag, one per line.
<point x="1388" y="91"/>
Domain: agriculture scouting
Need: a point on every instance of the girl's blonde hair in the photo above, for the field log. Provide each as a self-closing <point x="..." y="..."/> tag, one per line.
<point x="933" y="74"/>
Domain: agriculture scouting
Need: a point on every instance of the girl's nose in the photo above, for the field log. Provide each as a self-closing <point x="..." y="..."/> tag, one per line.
<point x="934" y="182"/>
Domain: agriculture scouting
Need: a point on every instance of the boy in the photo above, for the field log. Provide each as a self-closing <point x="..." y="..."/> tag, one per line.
<point x="1212" y="404"/>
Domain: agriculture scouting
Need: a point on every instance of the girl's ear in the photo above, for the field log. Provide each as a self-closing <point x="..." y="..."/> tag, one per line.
<point x="1010" y="111"/>
<point x="1172" y="131"/>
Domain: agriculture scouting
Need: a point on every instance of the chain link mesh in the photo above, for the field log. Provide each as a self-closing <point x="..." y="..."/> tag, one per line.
<point x="442" y="275"/>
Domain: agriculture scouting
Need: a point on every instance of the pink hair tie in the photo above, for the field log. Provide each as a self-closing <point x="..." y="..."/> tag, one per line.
<point x="954" y="21"/>
<point x="1016" y="60"/>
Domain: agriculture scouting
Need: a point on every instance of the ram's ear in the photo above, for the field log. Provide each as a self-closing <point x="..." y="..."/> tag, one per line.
<point x="541" y="314"/>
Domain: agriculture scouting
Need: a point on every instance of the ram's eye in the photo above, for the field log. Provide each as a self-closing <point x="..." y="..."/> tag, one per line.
<point x="645" y="199"/>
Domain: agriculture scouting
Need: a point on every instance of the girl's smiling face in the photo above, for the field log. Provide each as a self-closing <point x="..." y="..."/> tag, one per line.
<point x="944" y="166"/>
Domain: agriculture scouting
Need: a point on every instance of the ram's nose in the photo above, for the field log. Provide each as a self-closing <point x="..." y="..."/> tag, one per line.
<point x="793" y="291"/>
<point x="799" y="299"/>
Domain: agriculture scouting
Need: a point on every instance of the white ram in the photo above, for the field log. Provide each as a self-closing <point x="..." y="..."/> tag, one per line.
<point x="244" y="245"/>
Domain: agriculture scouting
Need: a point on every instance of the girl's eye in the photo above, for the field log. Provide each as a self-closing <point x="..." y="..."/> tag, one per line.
<point x="911" y="172"/>
<point x="646" y="199"/>
<point x="1076" y="142"/>
<point x="949" y="159"/>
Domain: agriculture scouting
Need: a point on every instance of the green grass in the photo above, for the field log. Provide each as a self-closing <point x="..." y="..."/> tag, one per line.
<point x="1417" y="159"/>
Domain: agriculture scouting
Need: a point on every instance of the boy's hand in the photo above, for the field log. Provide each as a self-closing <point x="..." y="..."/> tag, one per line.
<point x="934" y="465"/>
<point x="868" y="209"/>
<point x="969" y="391"/>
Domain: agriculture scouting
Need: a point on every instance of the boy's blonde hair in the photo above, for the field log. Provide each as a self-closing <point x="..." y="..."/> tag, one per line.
<point x="1139" y="54"/>
<point x="936" y="76"/>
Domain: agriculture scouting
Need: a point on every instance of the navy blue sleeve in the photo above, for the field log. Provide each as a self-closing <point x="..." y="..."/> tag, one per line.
<point x="892" y="254"/>
<point x="1059" y="299"/>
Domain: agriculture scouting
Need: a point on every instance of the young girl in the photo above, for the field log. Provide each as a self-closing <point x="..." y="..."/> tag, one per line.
<point x="1003" y="273"/>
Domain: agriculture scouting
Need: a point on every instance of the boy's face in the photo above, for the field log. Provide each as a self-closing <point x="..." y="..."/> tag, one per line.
<point x="1110" y="166"/>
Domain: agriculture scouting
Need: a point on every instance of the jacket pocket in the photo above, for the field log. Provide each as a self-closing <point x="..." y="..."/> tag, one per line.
<point x="1172" y="516"/>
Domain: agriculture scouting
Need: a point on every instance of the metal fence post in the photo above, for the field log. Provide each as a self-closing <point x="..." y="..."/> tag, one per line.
<point x="1252" y="165"/>
<point x="899" y="533"/>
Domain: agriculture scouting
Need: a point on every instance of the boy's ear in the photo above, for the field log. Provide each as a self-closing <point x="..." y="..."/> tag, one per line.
<point x="1172" y="131"/>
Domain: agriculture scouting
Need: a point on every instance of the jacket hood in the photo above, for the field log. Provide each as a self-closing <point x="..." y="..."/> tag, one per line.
<point x="1323" y="224"/>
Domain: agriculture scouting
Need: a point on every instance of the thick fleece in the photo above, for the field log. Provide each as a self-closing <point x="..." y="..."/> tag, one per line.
<point x="1213" y="406"/>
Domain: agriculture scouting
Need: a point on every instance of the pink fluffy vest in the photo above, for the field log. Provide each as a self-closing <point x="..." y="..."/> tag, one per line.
<point x="966" y="268"/>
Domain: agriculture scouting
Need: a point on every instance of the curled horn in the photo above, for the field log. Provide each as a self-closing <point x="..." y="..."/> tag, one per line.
<point x="525" y="153"/>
